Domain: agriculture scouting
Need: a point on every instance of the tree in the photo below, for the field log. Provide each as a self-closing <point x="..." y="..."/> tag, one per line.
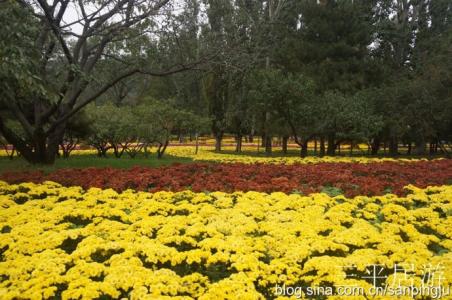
<point x="413" y="45"/>
<point x="158" y="120"/>
<point x="48" y="79"/>
<point x="111" y="128"/>
<point x="347" y="118"/>
<point x="298" y="107"/>
<point x="77" y="130"/>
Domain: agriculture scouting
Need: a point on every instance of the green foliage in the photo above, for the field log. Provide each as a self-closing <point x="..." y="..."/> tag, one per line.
<point x="332" y="191"/>
<point x="348" y="117"/>
<point x="19" y="78"/>
<point x="129" y="129"/>
<point x="333" y="43"/>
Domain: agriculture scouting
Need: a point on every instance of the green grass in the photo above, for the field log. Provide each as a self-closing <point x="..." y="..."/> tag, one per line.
<point x="84" y="161"/>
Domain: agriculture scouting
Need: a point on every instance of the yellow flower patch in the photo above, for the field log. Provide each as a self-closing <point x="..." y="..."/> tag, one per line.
<point x="206" y="153"/>
<point x="74" y="244"/>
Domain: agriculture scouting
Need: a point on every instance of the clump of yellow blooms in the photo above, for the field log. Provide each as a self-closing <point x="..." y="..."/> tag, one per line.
<point x="65" y="242"/>
<point x="206" y="153"/>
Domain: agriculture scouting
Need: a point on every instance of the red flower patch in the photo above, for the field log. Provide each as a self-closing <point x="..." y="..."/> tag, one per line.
<point x="351" y="178"/>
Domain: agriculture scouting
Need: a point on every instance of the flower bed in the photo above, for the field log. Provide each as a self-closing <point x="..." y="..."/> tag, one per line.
<point x="206" y="153"/>
<point x="250" y="156"/>
<point x="348" y="178"/>
<point x="66" y="242"/>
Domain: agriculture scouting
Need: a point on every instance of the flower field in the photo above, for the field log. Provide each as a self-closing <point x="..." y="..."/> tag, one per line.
<point x="352" y="179"/>
<point x="67" y="242"/>
<point x="228" y="227"/>
<point x="207" y="154"/>
<point x="225" y="150"/>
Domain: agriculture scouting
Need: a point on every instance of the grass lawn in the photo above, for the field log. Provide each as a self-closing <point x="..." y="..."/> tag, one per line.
<point x="87" y="160"/>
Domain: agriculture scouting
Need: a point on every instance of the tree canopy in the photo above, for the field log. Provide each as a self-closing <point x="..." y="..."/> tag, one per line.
<point x="333" y="71"/>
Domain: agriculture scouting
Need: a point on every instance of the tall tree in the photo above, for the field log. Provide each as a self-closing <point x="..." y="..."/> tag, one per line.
<point x="68" y="56"/>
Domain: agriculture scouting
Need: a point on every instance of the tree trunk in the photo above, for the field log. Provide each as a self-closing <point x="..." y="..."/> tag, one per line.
<point x="393" y="146"/>
<point x="419" y="148"/>
<point x="322" y="146"/>
<point x="258" y="144"/>
<point x="42" y="148"/>
<point x="304" y="149"/>
<point x="375" y="146"/>
<point x="285" y="140"/>
<point x="161" y="149"/>
<point x="268" y="145"/>
<point x="102" y="148"/>
<point x="238" y="146"/>
<point x="119" y="152"/>
<point x="218" y="139"/>
<point x="331" y="151"/>
<point x="197" y="143"/>
<point x="433" y="147"/>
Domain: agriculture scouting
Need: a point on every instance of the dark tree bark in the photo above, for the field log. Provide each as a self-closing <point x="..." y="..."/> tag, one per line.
<point x="196" y="143"/>
<point x="238" y="145"/>
<point x="68" y="146"/>
<point x="375" y="146"/>
<point x="132" y="149"/>
<point x="285" y="140"/>
<point x="161" y="149"/>
<point x="409" y="149"/>
<point x="322" y="146"/>
<point x="304" y="148"/>
<point x="331" y="151"/>
<point x="393" y="146"/>
<point x="263" y="139"/>
<point x="268" y="145"/>
<point x="218" y="138"/>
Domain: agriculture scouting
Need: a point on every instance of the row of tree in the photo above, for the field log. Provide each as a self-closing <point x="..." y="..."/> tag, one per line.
<point x="333" y="71"/>
<point x="127" y="129"/>
<point x="372" y="71"/>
